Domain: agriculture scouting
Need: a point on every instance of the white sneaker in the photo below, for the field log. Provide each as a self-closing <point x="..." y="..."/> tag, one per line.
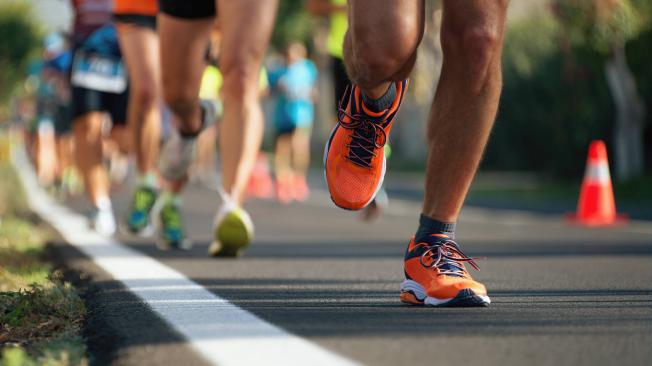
<point x="103" y="221"/>
<point x="233" y="231"/>
<point x="178" y="153"/>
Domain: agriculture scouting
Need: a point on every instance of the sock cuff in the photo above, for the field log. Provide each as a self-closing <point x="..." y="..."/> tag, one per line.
<point x="382" y="103"/>
<point x="429" y="226"/>
<point x="149" y="180"/>
<point x="172" y="197"/>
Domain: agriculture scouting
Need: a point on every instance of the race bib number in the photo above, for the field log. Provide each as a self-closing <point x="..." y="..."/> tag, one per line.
<point x="97" y="72"/>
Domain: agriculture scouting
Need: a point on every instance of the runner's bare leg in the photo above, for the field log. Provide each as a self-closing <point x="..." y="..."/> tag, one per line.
<point x="240" y="61"/>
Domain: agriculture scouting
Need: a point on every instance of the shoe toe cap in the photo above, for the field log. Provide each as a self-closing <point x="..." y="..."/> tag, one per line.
<point x="351" y="187"/>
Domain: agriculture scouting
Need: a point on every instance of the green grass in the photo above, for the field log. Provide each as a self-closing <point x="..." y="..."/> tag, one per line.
<point x="41" y="316"/>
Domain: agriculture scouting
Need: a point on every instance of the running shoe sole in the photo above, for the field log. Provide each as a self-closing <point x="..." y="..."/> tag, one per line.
<point x="414" y="294"/>
<point x="380" y="184"/>
<point x="232" y="235"/>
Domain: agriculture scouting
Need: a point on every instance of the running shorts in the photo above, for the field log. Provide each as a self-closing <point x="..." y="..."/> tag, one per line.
<point x="98" y="80"/>
<point x="188" y="9"/>
<point x="88" y="100"/>
<point x="139" y="20"/>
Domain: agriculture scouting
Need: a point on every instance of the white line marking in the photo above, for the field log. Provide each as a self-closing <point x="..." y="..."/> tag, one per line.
<point x="221" y="332"/>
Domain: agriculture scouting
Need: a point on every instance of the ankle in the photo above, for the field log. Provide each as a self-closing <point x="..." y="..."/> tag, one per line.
<point x="170" y="197"/>
<point x="382" y="102"/>
<point x="429" y="226"/>
<point x="103" y="203"/>
<point x="149" y="180"/>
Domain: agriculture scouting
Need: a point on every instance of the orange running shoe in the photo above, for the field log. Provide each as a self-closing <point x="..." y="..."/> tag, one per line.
<point x="436" y="276"/>
<point x="354" y="158"/>
<point x="284" y="192"/>
<point x="301" y="191"/>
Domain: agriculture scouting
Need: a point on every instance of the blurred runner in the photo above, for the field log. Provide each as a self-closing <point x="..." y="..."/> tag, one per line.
<point x="68" y="181"/>
<point x="295" y="86"/>
<point x="203" y="170"/>
<point x="379" y="59"/>
<point x="136" y="25"/>
<point x="185" y="28"/>
<point x="99" y="86"/>
<point x="45" y="148"/>
<point x="336" y="11"/>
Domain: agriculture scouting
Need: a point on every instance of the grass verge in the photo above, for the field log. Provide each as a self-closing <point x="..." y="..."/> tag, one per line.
<point x="41" y="316"/>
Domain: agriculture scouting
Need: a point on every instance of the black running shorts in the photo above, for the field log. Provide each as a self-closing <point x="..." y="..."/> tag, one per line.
<point x="87" y="100"/>
<point x="144" y="21"/>
<point x="188" y="9"/>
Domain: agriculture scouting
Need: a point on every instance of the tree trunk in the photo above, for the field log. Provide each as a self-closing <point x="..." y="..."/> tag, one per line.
<point x="630" y="116"/>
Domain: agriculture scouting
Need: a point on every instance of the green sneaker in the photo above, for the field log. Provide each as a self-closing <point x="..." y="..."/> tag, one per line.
<point x="171" y="234"/>
<point x="233" y="232"/>
<point x="138" y="220"/>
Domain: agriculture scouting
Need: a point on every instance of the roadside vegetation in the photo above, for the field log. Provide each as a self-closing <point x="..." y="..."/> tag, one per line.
<point x="41" y="316"/>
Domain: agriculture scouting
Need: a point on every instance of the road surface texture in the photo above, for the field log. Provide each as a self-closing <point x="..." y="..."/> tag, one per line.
<point x="561" y="294"/>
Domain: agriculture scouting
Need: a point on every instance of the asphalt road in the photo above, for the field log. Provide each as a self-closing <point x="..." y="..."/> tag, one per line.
<point x="562" y="295"/>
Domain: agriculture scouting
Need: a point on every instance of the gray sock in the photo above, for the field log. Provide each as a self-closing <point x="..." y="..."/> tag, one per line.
<point x="428" y="226"/>
<point x="382" y="103"/>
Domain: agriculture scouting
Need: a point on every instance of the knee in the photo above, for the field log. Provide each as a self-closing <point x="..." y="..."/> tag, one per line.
<point x="373" y="60"/>
<point x="241" y="76"/>
<point x="473" y="47"/>
<point x="145" y="95"/>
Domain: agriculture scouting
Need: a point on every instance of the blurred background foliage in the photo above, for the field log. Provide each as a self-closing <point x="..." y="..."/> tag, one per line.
<point x="556" y="98"/>
<point x="293" y="23"/>
<point x="554" y="101"/>
<point x="20" y="39"/>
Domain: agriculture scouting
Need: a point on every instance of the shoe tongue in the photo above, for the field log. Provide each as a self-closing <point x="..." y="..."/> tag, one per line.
<point x="363" y="141"/>
<point x="361" y="148"/>
<point x="446" y="264"/>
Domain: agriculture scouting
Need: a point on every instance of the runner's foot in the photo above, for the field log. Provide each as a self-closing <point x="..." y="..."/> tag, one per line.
<point x="233" y="230"/>
<point x="300" y="189"/>
<point x="284" y="192"/>
<point x="354" y="155"/>
<point x="102" y="221"/>
<point x="138" y="220"/>
<point x="171" y="229"/>
<point x="178" y="152"/>
<point x="436" y="275"/>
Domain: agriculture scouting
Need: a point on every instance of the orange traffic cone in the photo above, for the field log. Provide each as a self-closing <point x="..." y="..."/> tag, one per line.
<point x="596" y="205"/>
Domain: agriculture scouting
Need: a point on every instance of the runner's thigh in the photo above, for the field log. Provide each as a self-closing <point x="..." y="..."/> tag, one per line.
<point x="246" y="26"/>
<point x="183" y="46"/>
<point x="140" y="50"/>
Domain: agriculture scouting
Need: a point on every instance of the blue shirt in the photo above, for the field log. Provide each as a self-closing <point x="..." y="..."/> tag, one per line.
<point x="294" y="84"/>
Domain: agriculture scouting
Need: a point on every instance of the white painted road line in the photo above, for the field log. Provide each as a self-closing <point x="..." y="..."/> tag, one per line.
<point x="221" y="332"/>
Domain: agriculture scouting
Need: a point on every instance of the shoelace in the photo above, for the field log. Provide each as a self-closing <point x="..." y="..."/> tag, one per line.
<point x="447" y="257"/>
<point x="368" y="134"/>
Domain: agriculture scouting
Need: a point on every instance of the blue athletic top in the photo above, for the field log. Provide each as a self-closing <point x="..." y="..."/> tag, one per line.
<point x="294" y="84"/>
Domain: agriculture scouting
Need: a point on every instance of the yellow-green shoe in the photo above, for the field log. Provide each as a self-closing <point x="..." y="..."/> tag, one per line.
<point x="233" y="232"/>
